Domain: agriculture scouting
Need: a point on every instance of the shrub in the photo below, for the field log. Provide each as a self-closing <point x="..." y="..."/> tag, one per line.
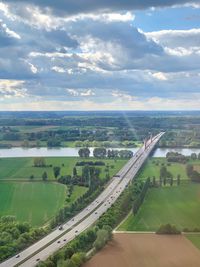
<point x="168" y="229"/>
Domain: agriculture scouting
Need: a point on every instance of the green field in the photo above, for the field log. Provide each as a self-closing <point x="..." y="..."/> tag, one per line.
<point x="22" y="168"/>
<point x="34" y="202"/>
<point x="178" y="205"/>
<point x="151" y="169"/>
<point x="195" y="239"/>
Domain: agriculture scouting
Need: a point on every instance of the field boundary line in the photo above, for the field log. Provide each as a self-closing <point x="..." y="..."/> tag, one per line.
<point x="134" y="232"/>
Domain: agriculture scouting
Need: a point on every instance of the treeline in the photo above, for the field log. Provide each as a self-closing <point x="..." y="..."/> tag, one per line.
<point x="106" y="144"/>
<point x="176" y="157"/>
<point x="74" y="253"/>
<point x="101" y="152"/>
<point x="122" y="205"/>
<point x="15" y="236"/>
<point x="90" y="177"/>
<point x="140" y="198"/>
<point x="68" y="211"/>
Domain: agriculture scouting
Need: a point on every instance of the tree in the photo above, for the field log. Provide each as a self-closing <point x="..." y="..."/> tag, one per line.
<point x="178" y="179"/>
<point x="78" y="258"/>
<point x="31" y="176"/>
<point x="84" y="152"/>
<point x="53" y="142"/>
<point x="39" y="162"/>
<point x="99" y="152"/>
<point x="168" y="229"/>
<point x="154" y="181"/>
<point x="44" y="176"/>
<point x="163" y="172"/>
<point x="56" y="171"/>
<point x="102" y="238"/>
<point x="193" y="156"/>
<point x="74" y="172"/>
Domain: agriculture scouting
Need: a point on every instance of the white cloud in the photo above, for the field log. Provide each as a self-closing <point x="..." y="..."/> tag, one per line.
<point x="33" y="68"/>
<point x="12" y="88"/>
<point x="8" y="31"/>
<point x="84" y="93"/>
<point x="72" y="92"/>
<point x="58" y="69"/>
<point x="122" y="96"/>
<point x="88" y="92"/>
<point x="160" y="76"/>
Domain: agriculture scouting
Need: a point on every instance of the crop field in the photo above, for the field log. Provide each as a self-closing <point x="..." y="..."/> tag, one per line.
<point x="147" y="250"/>
<point x="153" y="165"/>
<point x="194" y="238"/>
<point x="35" y="202"/>
<point x="22" y="168"/>
<point x="178" y="205"/>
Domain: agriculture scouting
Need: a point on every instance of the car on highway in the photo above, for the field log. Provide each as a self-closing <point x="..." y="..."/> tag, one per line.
<point x="17" y="256"/>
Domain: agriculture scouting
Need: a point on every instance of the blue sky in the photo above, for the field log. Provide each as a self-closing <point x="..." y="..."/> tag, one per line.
<point x="99" y="55"/>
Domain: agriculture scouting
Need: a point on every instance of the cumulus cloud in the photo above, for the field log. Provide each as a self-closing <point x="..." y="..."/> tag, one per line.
<point x="84" y="93"/>
<point x="12" y="88"/>
<point x="69" y="7"/>
<point x="97" y="53"/>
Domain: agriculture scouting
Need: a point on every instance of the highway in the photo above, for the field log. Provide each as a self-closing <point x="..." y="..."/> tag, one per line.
<point x="43" y="248"/>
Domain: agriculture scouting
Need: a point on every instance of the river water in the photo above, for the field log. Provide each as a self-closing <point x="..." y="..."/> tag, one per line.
<point x="73" y="152"/>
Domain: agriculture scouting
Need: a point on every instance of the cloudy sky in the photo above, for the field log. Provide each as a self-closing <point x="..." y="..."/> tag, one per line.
<point x="99" y="55"/>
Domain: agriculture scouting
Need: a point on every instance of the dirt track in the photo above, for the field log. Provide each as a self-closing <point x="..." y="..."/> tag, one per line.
<point x="147" y="250"/>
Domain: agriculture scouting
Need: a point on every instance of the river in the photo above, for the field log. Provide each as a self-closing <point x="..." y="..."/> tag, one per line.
<point x="18" y="152"/>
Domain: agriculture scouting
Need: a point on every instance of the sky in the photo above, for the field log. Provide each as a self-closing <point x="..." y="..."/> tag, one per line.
<point x="99" y="55"/>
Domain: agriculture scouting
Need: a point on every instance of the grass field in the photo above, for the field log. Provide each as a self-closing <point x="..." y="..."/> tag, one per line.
<point x="16" y="168"/>
<point x="34" y="202"/>
<point x="150" y="168"/>
<point x="178" y="205"/>
<point x="195" y="239"/>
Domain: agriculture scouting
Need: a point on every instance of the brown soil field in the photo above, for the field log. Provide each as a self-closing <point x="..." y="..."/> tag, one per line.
<point x="197" y="168"/>
<point x="147" y="250"/>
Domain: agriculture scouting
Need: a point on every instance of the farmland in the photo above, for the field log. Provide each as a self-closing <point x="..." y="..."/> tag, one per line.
<point x="153" y="165"/>
<point x="147" y="250"/>
<point x="34" y="202"/>
<point x="23" y="168"/>
<point x="178" y="205"/>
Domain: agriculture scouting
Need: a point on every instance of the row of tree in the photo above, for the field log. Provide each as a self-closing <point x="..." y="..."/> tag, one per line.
<point x="140" y="198"/>
<point x="101" y="152"/>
